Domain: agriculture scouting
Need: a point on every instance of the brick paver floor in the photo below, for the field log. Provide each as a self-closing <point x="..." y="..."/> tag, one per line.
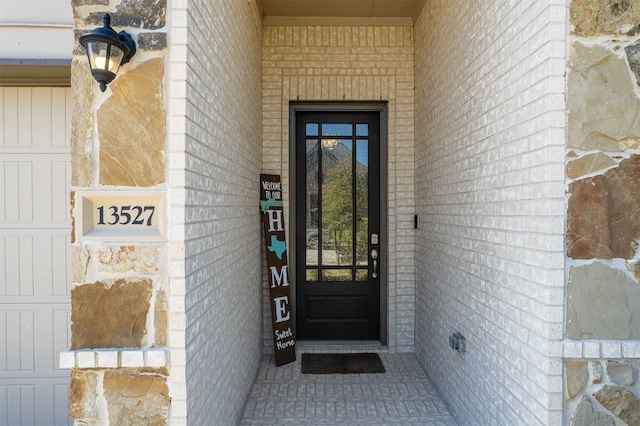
<point x="403" y="395"/>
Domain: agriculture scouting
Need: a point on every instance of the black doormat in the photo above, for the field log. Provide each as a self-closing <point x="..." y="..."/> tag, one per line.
<point x="341" y="364"/>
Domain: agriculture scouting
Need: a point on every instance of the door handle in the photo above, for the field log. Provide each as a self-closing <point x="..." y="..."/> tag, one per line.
<point x="374" y="256"/>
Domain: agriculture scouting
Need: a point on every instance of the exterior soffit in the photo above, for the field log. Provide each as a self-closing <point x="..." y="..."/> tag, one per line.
<point x="352" y="12"/>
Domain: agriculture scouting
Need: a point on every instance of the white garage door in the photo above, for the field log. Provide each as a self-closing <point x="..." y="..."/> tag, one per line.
<point x="35" y="272"/>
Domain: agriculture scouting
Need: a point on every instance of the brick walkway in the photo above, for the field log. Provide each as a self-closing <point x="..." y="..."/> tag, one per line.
<point x="402" y="395"/>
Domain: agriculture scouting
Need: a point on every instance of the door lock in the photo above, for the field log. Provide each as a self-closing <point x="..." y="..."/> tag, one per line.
<point x="374" y="256"/>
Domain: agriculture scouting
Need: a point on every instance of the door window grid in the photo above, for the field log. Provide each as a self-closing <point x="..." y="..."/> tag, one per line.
<point x="337" y="243"/>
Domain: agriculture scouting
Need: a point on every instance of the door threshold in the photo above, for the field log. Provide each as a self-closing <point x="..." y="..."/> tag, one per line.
<point x="340" y="346"/>
<point x="338" y="343"/>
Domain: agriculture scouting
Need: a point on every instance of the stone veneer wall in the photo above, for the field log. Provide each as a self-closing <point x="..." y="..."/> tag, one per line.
<point x="602" y="351"/>
<point x="490" y="257"/>
<point x="119" y="299"/>
<point x="215" y="147"/>
<point x="350" y="63"/>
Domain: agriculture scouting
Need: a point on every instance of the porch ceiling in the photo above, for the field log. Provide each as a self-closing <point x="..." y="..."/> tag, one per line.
<point x="341" y="8"/>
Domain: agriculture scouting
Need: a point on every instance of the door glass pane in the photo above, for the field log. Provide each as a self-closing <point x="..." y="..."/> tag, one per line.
<point x="362" y="275"/>
<point x="337" y="129"/>
<point x="312" y="275"/>
<point x="362" y="201"/>
<point x="362" y="129"/>
<point x="312" y="129"/>
<point x="313" y="232"/>
<point x="337" y="275"/>
<point x="337" y="202"/>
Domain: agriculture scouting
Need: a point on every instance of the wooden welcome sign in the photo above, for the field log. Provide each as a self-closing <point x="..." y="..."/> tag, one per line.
<point x="278" y="271"/>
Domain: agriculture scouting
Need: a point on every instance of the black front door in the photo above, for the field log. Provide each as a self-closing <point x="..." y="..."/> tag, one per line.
<point x="338" y="258"/>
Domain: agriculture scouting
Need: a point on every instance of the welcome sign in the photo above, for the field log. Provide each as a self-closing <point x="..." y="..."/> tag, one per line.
<point x="278" y="270"/>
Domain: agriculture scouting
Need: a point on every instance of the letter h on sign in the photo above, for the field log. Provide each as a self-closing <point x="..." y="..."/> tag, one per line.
<point x="275" y="220"/>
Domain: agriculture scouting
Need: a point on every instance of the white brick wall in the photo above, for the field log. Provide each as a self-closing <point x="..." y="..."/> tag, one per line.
<point x="215" y="129"/>
<point x="489" y="182"/>
<point x="363" y="63"/>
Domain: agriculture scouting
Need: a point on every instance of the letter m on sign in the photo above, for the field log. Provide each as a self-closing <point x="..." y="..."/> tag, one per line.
<point x="279" y="278"/>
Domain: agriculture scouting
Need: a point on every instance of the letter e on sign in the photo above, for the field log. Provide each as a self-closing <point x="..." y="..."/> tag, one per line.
<point x="281" y="305"/>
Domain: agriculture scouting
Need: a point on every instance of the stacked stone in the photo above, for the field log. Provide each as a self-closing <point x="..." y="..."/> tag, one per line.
<point x="603" y="211"/>
<point x="119" y="302"/>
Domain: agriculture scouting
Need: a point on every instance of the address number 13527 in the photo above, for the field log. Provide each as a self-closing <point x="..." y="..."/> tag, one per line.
<point x="125" y="215"/>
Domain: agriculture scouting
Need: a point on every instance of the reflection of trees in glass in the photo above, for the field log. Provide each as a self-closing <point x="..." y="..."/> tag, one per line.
<point x="362" y="214"/>
<point x="337" y="211"/>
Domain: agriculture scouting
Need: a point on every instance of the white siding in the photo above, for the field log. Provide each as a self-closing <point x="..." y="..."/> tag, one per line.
<point x="24" y="24"/>
<point x="489" y="181"/>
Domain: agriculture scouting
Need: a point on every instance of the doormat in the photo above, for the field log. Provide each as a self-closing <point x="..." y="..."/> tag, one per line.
<point x="366" y="363"/>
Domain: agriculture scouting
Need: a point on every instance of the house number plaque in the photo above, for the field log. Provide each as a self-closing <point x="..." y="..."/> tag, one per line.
<point x="120" y="216"/>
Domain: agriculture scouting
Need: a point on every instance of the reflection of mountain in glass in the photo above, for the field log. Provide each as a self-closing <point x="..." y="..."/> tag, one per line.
<point x="341" y="153"/>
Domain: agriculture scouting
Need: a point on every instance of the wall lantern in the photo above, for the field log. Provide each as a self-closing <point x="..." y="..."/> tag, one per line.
<point x="107" y="50"/>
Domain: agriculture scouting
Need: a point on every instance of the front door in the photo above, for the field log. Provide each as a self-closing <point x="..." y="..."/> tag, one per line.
<point x="338" y="255"/>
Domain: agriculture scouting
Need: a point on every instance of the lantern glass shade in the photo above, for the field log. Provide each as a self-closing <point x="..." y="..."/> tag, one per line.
<point x="104" y="56"/>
